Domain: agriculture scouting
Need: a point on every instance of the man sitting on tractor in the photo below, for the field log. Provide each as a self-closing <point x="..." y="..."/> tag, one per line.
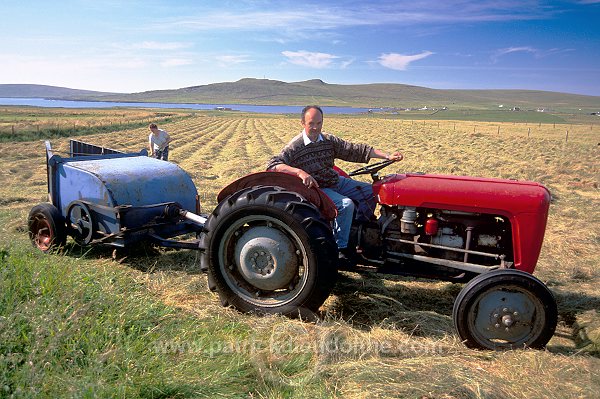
<point x="310" y="156"/>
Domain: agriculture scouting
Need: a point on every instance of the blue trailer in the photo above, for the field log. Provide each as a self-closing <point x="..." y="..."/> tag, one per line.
<point x="102" y="196"/>
<point x="266" y="247"/>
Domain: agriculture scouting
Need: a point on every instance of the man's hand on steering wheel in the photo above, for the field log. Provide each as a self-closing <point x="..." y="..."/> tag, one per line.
<point x="376" y="167"/>
<point x="396" y="156"/>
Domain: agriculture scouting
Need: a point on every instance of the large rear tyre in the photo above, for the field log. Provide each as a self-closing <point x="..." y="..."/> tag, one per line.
<point x="505" y="309"/>
<point x="269" y="251"/>
<point x="47" y="229"/>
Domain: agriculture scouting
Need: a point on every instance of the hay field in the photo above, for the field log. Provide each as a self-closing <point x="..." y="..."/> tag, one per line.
<point x="382" y="336"/>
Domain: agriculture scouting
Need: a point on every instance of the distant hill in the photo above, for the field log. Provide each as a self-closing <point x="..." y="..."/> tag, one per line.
<point x="273" y="92"/>
<point x="42" y="91"/>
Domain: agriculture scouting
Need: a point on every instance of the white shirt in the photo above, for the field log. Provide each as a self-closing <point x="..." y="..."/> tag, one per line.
<point x="158" y="141"/>
<point x="307" y="140"/>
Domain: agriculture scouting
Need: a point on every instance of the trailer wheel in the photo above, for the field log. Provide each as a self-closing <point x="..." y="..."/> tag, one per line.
<point x="81" y="223"/>
<point x="270" y="251"/>
<point x="47" y="230"/>
<point x="505" y="309"/>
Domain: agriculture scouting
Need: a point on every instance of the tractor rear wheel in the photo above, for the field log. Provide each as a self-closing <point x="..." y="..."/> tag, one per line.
<point x="505" y="309"/>
<point x="269" y="251"/>
<point x="47" y="229"/>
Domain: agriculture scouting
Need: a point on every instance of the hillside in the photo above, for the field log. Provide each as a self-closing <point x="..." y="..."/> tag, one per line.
<point x="273" y="92"/>
<point x="43" y="91"/>
<point x="264" y="91"/>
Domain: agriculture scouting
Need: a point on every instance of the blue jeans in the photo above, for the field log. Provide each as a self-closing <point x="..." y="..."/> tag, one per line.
<point x="164" y="154"/>
<point x="343" y="195"/>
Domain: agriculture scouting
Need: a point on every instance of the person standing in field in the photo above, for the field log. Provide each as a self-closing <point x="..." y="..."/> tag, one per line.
<point x="158" y="143"/>
<point x="310" y="156"/>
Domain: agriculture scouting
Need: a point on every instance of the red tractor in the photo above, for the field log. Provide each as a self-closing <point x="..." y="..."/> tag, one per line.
<point x="268" y="247"/>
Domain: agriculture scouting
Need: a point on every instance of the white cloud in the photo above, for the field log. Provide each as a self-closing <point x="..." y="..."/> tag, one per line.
<point x="310" y="59"/>
<point x="175" y="62"/>
<point x="73" y="71"/>
<point x="164" y="45"/>
<point x="346" y="64"/>
<point x="73" y="62"/>
<point x="334" y="16"/>
<point x="537" y="53"/>
<point x="228" y="60"/>
<point x="499" y="53"/>
<point x="152" y="45"/>
<point x="400" y="62"/>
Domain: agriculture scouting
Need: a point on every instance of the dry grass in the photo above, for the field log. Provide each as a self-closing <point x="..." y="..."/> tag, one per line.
<point x="382" y="336"/>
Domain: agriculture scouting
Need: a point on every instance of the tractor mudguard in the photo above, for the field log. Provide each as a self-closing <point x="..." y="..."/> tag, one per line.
<point x="287" y="181"/>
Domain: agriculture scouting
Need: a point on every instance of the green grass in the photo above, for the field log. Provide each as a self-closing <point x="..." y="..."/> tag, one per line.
<point x="73" y="326"/>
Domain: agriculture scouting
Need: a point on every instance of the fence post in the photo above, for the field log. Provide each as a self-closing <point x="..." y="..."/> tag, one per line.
<point x="498" y="129"/>
<point x="567" y="136"/>
<point x="528" y="132"/>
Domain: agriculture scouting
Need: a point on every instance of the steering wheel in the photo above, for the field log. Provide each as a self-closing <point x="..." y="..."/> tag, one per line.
<point x="372" y="169"/>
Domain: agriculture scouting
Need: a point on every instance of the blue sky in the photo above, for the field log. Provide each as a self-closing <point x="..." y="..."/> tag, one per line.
<point x="132" y="46"/>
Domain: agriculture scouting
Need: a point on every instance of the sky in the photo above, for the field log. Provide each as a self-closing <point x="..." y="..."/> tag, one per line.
<point x="132" y="46"/>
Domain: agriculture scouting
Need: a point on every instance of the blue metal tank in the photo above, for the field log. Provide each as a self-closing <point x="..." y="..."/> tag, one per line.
<point x="119" y="198"/>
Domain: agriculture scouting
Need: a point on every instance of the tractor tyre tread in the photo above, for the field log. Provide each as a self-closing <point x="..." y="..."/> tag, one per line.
<point x="276" y="202"/>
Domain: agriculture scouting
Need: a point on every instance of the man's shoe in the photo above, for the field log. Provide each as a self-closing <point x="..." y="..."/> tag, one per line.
<point x="345" y="258"/>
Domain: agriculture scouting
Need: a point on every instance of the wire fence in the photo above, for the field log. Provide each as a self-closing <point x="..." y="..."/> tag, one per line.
<point x="580" y="132"/>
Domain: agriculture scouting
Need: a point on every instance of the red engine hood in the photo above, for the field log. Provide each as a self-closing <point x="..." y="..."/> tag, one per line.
<point x="470" y="194"/>
<point x="524" y="203"/>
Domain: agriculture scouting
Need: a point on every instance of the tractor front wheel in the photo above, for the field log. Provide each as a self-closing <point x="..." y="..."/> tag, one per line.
<point x="505" y="309"/>
<point x="270" y="251"/>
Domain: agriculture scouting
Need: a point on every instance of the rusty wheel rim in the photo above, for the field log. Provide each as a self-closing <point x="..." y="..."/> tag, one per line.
<point x="42" y="234"/>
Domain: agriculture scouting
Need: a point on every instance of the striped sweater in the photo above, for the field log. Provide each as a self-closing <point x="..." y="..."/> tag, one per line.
<point x="317" y="158"/>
